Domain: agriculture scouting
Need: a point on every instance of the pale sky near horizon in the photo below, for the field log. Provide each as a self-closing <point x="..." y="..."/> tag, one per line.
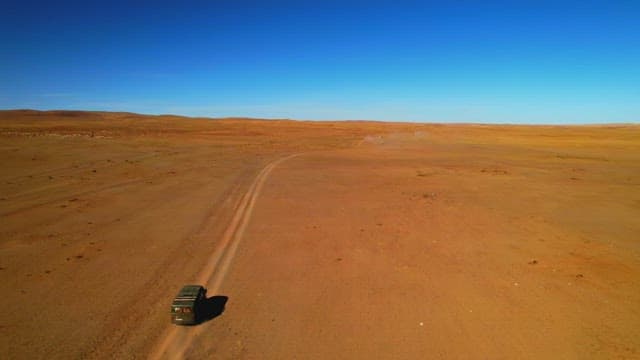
<point x="456" y="61"/>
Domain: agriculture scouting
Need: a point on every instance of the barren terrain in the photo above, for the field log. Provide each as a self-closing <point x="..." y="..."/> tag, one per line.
<point x="324" y="239"/>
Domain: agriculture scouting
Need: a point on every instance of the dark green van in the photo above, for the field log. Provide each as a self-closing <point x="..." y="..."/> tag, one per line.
<point x="187" y="307"/>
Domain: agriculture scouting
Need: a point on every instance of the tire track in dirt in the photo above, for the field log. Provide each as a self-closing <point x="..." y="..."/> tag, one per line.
<point x="96" y="190"/>
<point x="110" y="162"/>
<point x="176" y="340"/>
<point x="77" y="194"/>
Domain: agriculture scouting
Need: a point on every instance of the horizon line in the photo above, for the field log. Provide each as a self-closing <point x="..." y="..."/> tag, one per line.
<point x="630" y="123"/>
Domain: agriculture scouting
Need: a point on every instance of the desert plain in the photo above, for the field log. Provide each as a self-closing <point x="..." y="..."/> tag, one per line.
<point x="318" y="240"/>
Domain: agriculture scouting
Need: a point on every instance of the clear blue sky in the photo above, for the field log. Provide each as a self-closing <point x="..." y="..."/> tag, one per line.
<point x="471" y="61"/>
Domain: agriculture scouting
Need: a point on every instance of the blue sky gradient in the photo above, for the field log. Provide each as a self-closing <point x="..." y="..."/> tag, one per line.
<point x="458" y="61"/>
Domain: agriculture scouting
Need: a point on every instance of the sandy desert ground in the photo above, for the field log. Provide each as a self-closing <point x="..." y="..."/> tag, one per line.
<point x="323" y="240"/>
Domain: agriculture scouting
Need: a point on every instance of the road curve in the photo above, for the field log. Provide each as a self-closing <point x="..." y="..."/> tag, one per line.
<point x="175" y="340"/>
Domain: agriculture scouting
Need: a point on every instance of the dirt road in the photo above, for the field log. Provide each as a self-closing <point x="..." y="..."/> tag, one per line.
<point x="177" y="340"/>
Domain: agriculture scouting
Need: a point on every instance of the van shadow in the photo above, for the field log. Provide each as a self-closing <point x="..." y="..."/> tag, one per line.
<point x="213" y="307"/>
